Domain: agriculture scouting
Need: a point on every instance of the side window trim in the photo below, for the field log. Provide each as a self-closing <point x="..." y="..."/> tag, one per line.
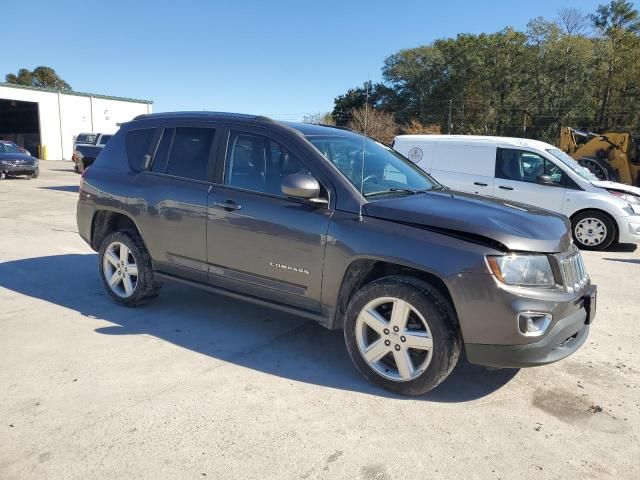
<point x="155" y="152"/>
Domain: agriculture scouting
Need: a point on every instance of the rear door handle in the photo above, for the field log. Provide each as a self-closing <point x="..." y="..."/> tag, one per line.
<point x="228" y="205"/>
<point x="505" y="188"/>
<point x="480" y="184"/>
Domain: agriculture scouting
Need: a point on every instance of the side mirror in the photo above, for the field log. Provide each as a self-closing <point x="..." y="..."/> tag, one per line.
<point x="299" y="185"/>
<point x="544" y="180"/>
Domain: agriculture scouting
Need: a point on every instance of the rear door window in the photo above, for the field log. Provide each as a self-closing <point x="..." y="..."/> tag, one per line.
<point x="190" y="152"/>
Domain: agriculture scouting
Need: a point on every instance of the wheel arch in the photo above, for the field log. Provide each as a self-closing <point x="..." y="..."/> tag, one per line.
<point x="105" y="222"/>
<point x="616" y="228"/>
<point x="364" y="270"/>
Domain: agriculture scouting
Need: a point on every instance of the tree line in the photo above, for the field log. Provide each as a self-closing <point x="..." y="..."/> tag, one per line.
<point x="580" y="70"/>
<point x="42" y="77"/>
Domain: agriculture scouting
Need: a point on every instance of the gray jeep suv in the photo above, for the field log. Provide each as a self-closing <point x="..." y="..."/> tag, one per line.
<point x="328" y="224"/>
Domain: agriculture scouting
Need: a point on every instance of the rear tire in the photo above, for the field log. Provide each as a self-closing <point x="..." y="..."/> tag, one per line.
<point x="126" y="270"/>
<point x="593" y="230"/>
<point x="402" y="334"/>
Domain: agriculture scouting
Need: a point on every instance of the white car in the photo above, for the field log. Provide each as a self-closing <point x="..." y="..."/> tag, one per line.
<point x="532" y="172"/>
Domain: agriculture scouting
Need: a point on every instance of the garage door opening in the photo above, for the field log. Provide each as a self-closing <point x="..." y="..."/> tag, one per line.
<point x="20" y="123"/>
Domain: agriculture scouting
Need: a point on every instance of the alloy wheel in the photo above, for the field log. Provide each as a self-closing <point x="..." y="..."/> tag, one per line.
<point x="394" y="339"/>
<point x="120" y="269"/>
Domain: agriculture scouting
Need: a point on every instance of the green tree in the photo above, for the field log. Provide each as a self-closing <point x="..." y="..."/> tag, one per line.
<point x="380" y="97"/>
<point x="618" y="24"/>
<point x="44" y="77"/>
<point x="556" y="73"/>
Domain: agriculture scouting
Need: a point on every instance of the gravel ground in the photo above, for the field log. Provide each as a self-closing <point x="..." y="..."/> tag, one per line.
<point x="198" y="386"/>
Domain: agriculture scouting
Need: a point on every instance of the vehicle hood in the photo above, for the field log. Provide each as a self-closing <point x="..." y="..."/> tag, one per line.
<point x="620" y="187"/>
<point x="500" y="224"/>
<point x="21" y="157"/>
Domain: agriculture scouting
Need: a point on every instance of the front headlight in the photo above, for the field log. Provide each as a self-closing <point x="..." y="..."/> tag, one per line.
<point x="522" y="270"/>
<point x="632" y="200"/>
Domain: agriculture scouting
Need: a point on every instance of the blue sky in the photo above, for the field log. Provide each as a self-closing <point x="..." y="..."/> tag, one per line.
<point x="278" y="58"/>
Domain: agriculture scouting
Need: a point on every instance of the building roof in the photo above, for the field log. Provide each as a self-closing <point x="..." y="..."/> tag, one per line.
<point x="71" y="92"/>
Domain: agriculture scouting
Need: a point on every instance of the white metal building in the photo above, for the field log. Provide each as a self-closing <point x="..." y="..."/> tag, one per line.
<point x="46" y="121"/>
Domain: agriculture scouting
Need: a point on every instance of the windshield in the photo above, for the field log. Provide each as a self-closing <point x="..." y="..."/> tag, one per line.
<point x="385" y="171"/>
<point x="8" y="148"/>
<point x="572" y="164"/>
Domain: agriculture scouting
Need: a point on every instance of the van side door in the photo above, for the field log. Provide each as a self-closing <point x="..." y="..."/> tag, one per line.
<point x="467" y="168"/>
<point x="517" y="173"/>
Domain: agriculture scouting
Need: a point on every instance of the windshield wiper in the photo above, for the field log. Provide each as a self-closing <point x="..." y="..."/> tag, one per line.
<point x="410" y="191"/>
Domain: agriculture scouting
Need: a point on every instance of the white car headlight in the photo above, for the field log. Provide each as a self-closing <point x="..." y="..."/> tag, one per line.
<point x="632" y="200"/>
<point x="522" y="270"/>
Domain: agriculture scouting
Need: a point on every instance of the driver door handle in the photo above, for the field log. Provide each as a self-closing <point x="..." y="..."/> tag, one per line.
<point x="228" y="205"/>
<point x="505" y="188"/>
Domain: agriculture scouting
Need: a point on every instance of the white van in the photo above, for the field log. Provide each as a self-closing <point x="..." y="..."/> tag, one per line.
<point x="533" y="172"/>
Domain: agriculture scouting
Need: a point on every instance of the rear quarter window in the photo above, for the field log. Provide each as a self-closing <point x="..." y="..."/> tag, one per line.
<point x="138" y="145"/>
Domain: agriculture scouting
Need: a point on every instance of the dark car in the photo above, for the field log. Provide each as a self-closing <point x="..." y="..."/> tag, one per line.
<point x="14" y="162"/>
<point x="84" y="156"/>
<point x="330" y="225"/>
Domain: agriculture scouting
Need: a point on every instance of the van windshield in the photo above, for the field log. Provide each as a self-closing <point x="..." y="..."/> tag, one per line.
<point x="572" y="164"/>
<point x="385" y="171"/>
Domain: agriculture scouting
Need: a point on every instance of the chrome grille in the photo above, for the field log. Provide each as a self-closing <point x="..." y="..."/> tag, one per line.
<point x="574" y="273"/>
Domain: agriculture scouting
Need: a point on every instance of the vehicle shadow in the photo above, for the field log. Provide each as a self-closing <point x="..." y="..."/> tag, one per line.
<point x="623" y="260"/>
<point x="63" y="188"/>
<point x="623" y="247"/>
<point x="234" y="331"/>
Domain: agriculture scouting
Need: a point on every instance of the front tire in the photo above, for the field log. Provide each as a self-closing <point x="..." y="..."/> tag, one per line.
<point x="126" y="270"/>
<point x="593" y="230"/>
<point x="402" y="334"/>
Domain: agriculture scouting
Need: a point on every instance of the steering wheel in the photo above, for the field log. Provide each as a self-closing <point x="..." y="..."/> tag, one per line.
<point x="368" y="178"/>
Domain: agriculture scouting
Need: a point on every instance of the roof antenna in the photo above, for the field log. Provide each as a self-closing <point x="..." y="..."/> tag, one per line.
<point x="364" y="147"/>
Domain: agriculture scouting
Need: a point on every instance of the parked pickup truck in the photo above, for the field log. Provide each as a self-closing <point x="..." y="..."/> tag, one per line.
<point x="84" y="156"/>
<point x="99" y="139"/>
<point x="327" y="224"/>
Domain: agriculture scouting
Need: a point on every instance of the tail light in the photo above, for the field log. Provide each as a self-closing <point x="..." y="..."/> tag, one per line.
<point x="81" y="185"/>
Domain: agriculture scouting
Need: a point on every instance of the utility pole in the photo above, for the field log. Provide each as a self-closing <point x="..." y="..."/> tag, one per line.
<point x="449" y="121"/>
<point x="462" y="122"/>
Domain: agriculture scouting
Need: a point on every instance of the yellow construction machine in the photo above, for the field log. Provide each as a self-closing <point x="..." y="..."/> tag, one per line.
<point x="611" y="156"/>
